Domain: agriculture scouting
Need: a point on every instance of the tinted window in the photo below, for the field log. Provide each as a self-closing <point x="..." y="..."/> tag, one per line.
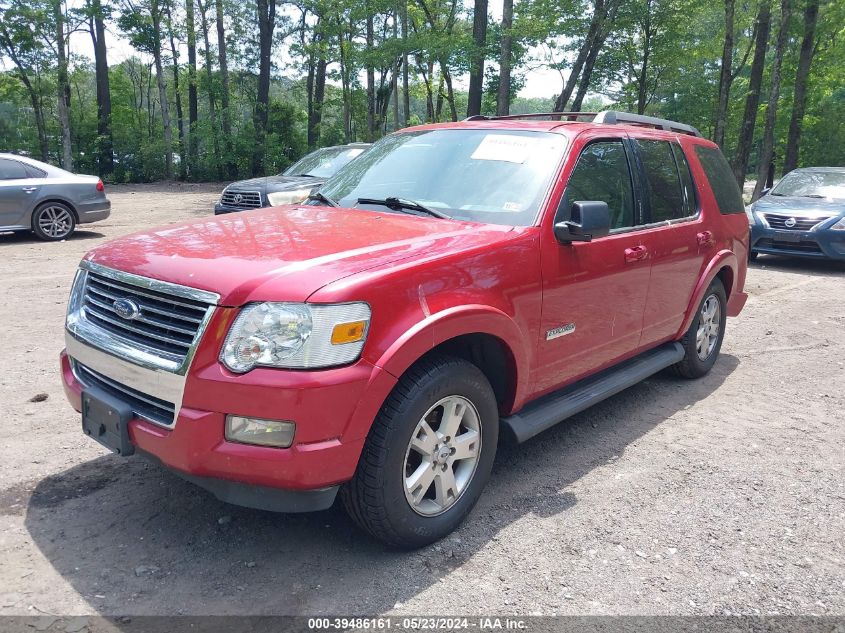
<point x="690" y="203"/>
<point x="721" y="179"/>
<point x="662" y="181"/>
<point x="602" y="174"/>
<point x="34" y="172"/>
<point x="11" y="169"/>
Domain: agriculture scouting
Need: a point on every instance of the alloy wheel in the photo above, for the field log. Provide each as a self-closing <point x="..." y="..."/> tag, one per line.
<point x="709" y="324"/>
<point x="55" y="222"/>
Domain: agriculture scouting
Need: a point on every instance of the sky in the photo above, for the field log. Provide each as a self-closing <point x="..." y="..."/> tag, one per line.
<point x="540" y="81"/>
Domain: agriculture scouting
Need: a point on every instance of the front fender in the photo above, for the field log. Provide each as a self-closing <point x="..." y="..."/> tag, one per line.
<point x="722" y="259"/>
<point x="428" y="334"/>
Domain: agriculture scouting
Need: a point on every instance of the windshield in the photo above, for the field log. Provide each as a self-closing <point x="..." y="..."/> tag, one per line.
<point x="814" y="184"/>
<point x="324" y="163"/>
<point x="492" y="176"/>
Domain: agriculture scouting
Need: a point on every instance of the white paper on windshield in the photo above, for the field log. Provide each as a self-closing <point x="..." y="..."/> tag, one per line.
<point x="355" y="152"/>
<point x="504" y="147"/>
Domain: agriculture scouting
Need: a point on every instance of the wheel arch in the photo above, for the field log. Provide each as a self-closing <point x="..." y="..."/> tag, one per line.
<point x="55" y="199"/>
<point x="724" y="267"/>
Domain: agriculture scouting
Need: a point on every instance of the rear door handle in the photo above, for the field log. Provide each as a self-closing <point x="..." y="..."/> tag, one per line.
<point x="635" y="254"/>
<point x="29" y="189"/>
<point x="705" y="238"/>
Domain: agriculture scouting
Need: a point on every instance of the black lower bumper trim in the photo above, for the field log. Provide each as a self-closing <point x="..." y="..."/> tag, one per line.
<point x="260" y="497"/>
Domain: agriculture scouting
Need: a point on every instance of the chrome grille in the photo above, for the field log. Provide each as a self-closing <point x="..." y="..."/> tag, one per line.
<point x="782" y="221"/>
<point x="166" y="325"/>
<point x="241" y="199"/>
<point x="143" y="405"/>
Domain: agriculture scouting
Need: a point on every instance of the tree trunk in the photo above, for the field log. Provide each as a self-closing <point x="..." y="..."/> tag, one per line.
<point x="406" y="97"/>
<point x="396" y="72"/>
<point x="799" y="101"/>
<point x="193" y="109"/>
<point x="767" y="149"/>
<point x="642" y="81"/>
<point x="476" y="72"/>
<point x="266" y="25"/>
<point x="597" y="45"/>
<point x="725" y="75"/>
<point x="746" y="132"/>
<point x="164" y="106"/>
<point x="180" y="120"/>
<point x="371" y="81"/>
<point x="212" y="101"/>
<point x="503" y="100"/>
<point x="319" y="98"/>
<point x="105" y="144"/>
<point x="63" y="87"/>
<point x="222" y="58"/>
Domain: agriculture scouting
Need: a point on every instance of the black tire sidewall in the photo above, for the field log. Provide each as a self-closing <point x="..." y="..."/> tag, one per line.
<point x="462" y="379"/>
<point x="37" y="229"/>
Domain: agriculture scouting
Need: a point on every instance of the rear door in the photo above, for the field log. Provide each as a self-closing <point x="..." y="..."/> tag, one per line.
<point x="676" y="236"/>
<point x="17" y="193"/>
<point x="593" y="292"/>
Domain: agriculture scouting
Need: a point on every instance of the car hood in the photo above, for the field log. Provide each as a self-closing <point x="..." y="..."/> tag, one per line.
<point x="798" y="206"/>
<point x="284" y="253"/>
<point x="269" y="184"/>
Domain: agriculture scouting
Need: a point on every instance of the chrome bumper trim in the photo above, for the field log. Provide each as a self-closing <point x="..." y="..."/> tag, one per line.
<point x="159" y="383"/>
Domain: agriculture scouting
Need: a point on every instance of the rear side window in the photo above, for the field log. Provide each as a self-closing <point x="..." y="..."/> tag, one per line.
<point x="721" y="178"/>
<point x="662" y="180"/>
<point x="11" y="170"/>
<point x="602" y="174"/>
<point x="34" y="172"/>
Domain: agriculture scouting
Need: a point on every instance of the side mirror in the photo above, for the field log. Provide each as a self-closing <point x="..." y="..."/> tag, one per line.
<point x="589" y="220"/>
<point x="765" y="191"/>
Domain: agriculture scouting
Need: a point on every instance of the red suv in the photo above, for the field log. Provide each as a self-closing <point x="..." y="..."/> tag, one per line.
<point x="456" y="282"/>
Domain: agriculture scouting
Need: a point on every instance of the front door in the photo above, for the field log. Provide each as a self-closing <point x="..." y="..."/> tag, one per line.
<point x="17" y="191"/>
<point x="594" y="292"/>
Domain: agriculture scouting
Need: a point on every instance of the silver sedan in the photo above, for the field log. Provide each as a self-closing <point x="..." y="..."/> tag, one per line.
<point x="47" y="200"/>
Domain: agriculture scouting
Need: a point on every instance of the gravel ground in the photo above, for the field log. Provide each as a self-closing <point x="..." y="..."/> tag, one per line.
<point x="723" y="495"/>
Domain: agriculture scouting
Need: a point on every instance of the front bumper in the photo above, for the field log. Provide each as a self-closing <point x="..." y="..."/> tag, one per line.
<point x="818" y="244"/>
<point x="331" y="408"/>
<point x="93" y="211"/>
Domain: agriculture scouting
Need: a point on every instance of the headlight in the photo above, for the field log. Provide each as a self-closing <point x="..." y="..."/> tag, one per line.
<point x="750" y="214"/>
<point x="296" y="336"/>
<point x="839" y="226"/>
<point x="278" y="198"/>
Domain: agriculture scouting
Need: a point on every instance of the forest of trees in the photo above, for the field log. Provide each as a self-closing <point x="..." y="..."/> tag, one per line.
<point x="223" y="89"/>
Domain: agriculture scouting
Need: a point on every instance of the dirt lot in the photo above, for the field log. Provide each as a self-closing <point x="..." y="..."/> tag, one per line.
<point x="724" y="495"/>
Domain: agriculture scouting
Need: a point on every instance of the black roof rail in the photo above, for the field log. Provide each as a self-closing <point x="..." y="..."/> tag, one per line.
<point x="608" y="117"/>
<point x="612" y="117"/>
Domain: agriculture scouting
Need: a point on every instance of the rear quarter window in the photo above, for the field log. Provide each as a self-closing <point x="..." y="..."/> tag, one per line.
<point x="721" y="179"/>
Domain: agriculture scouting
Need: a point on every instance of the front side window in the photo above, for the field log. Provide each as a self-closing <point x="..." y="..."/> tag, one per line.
<point x="812" y="184"/>
<point x="491" y="176"/>
<point x="662" y="180"/>
<point x="602" y="174"/>
<point x="324" y="163"/>
<point x="12" y="170"/>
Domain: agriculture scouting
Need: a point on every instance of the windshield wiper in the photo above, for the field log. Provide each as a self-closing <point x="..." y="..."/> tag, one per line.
<point x="323" y="198"/>
<point x="392" y="202"/>
<point x="812" y="195"/>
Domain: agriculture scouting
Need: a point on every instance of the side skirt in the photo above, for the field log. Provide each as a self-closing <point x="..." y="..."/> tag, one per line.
<point x="555" y="407"/>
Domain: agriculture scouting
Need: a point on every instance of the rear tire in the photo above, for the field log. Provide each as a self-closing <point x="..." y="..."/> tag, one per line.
<point x="428" y="455"/>
<point x="53" y="221"/>
<point x="752" y="255"/>
<point x="703" y="339"/>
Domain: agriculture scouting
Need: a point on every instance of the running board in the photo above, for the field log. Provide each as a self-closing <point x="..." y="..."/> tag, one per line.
<point x="555" y="407"/>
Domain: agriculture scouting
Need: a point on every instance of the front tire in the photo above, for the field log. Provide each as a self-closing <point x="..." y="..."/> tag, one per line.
<point x="428" y="455"/>
<point x="703" y="339"/>
<point x="53" y="221"/>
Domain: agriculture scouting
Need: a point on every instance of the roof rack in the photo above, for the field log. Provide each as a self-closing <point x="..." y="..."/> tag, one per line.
<point x="608" y="117"/>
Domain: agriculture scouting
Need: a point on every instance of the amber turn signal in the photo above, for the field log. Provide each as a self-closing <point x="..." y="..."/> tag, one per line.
<point x="348" y="332"/>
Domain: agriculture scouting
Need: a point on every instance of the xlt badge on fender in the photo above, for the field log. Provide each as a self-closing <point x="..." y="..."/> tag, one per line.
<point x="563" y="330"/>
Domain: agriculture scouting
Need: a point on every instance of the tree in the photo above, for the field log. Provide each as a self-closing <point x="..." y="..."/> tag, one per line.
<point x="222" y="58"/>
<point x="105" y="143"/>
<point x="762" y="25"/>
<point x="62" y="85"/>
<point x="193" y="101"/>
<point x="266" y="26"/>
<point x="802" y="74"/>
<point x="476" y="76"/>
<point x="504" y="95"/>
<point x="767" y="147"/>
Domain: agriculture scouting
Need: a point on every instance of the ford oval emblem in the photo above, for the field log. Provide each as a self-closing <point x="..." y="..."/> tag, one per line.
<point x="126" y="309"/>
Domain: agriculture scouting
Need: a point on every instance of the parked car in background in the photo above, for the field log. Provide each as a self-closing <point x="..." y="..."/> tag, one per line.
<point x="460" y="279"/>
<point x="802" y="216"/>
<point x="293" y="185"/>
<point x="46" y="200"/>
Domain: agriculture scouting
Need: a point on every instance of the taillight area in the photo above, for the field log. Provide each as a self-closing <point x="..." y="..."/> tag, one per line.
<point x="100" y="186"/>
